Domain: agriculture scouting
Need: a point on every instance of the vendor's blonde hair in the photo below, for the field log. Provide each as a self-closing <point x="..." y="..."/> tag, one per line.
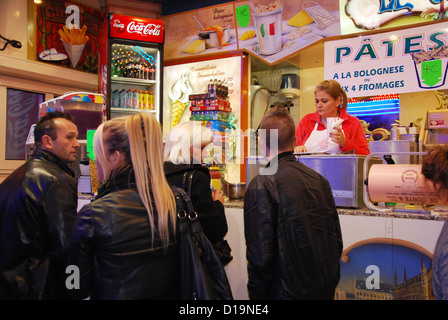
<point x="138" y="138"/>
<point x="334" y="89"/>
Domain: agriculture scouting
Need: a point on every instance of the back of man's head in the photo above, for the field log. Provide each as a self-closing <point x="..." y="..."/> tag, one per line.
<point x="279" y="122"/>
<point x="46" y="125"/>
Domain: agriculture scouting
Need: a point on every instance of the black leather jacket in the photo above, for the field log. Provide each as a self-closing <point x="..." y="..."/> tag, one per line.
<point x="38" y="204"/>
<point x="292" y="234"/>
<point x="211" y="213"/>
<point x="111" y="245"/>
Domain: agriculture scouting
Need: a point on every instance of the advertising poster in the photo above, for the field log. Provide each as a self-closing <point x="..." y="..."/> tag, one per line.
<point x="210" y="30"/>
<point x="274" y="30"/>
<point x="363" y="15"/>
<point x="387" y="258"/>
<point x="270" y="29"/>
<point x="67" y="34"/>
<point x="409" y="60"/>
<point x="182" y="81"/>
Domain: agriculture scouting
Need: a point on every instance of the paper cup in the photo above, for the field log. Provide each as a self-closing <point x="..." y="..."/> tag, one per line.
<point x="268" y="28"/>
<point x="331" y="121"/>
<point x="74" y="51"/>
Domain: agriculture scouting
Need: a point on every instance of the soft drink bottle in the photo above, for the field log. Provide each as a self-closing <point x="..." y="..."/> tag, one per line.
<point x="140" y="99"/>
<point x="135" y="99"/>
<point x="146" y="100"/>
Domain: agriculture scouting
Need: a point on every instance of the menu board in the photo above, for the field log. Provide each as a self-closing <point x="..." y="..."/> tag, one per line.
<point x="410" y="60"/>
<point x="210" y="30"/>
<point x="275" y="30"/>
<point x="272" y="30"/>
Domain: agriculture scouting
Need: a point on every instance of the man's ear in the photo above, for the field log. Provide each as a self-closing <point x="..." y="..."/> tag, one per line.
<point x="47" y="142"/>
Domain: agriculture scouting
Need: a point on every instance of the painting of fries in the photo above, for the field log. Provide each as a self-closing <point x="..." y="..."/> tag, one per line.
<point x="74" y="41"/>
<point x="63" y="43"/>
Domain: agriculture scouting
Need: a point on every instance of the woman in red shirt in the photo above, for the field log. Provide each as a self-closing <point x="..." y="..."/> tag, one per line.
<point x="331" y="129"/>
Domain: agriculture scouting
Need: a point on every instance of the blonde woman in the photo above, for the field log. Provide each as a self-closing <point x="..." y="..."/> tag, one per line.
<point x="124" y="242"/>
<point x="183" y="149"/>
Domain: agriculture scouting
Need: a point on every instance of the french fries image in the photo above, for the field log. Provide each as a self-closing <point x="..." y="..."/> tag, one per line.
<point x="74" y="41"/>
<point x="74" y="36"/>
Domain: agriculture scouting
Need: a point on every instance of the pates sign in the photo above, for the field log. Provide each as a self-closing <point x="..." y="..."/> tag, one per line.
<point x="133" y="28"/>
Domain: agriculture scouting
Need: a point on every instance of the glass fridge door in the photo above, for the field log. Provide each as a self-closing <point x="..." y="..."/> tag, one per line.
<point x="135" y="80"/>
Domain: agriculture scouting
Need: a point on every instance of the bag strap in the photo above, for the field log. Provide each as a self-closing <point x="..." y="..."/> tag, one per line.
<point x="187" y="181"/>
<point x="183" y="203"/>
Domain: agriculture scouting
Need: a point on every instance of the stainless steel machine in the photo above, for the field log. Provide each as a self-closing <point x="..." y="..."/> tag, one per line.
<point x="343" y="172"/>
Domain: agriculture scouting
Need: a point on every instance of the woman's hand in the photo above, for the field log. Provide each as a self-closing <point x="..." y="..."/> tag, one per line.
<point x="217" y="195"/>
<point x="298" y="149"/>
<point x="338" y="136"/>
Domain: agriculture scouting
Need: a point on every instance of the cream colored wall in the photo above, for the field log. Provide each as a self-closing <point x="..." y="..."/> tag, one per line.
<point x="17" y="72"/>
<point x="414" y="105"/>
<point x="309" y="78"/>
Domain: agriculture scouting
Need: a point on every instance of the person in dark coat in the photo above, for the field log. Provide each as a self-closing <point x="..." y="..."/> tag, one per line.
<point x="38" y="203"/>
<point x="292" y="229"/>
<point x="183" y="148"/>
<point x="124" y="242"/>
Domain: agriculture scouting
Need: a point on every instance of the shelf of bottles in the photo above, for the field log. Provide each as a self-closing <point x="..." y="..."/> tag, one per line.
<point x="134" y="74"/>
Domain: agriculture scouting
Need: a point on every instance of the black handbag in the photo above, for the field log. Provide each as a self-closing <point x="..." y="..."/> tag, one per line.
<point x="201" y="273"/>
<point x="222" y="248"/>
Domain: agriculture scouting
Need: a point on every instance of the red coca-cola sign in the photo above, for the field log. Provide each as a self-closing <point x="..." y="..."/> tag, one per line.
<point x="133" y="28"/>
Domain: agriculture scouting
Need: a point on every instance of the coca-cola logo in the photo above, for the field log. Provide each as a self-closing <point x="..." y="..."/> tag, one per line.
<point x="144" y="29"/>
<point x="118" y="25"/>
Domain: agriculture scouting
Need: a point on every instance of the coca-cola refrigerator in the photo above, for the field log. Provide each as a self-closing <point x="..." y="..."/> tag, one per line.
<point x="130" y="62"/>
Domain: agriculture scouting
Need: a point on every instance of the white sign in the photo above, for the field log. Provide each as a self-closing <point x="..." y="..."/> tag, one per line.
<point x="182" y="80"/>
<point x="407" y="60"/>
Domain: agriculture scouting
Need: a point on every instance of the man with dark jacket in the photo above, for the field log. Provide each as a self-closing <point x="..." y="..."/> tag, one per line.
<point x="38" y="204"/>
<point x="292" y="229"/>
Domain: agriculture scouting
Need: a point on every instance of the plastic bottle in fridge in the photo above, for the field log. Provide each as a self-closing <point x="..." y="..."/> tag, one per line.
<point x="140" y="99"/>
<point x="151" y="101"/>
<point x="129" y="99"/>
<point x="122" y="103"/>
<point x="135" y="99"/>
<point x="115" y="99"/>
<point x="146" y="100"/>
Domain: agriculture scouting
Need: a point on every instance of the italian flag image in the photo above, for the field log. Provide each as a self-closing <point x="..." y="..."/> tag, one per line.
<point x="268" y="28"/>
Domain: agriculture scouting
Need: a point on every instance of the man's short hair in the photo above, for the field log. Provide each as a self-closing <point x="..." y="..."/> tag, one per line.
<point x="46" y="125"/>
<point x="278" y="118"/>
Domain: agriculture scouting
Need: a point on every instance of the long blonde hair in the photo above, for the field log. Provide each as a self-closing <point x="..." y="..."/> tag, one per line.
<point x="138" y="138"/>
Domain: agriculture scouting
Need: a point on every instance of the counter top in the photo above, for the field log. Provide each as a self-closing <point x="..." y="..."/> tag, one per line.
<point x="363" y="211"/>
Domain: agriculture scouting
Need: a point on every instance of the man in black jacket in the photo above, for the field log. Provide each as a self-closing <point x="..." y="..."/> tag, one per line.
<point x="292" y="229"/>
<point x="38" y="204"/>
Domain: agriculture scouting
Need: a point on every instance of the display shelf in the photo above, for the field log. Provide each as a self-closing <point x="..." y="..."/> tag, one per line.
<point x="123" y="80"/>
<point x="125" y="110"/>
